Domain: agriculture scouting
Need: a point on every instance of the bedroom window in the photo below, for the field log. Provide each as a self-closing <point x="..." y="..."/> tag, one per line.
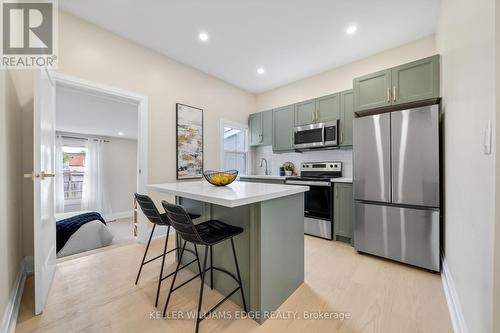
<point x="73" y="166"/>
<point x="235" y="147"/>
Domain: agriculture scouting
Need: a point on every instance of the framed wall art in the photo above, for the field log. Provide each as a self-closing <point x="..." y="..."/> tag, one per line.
<point x="189" y="142"/>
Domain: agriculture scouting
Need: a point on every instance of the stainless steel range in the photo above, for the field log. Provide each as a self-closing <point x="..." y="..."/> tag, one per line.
<point x="318" y="206"/>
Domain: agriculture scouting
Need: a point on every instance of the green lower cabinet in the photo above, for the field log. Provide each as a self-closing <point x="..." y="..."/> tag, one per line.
<point x="346" y="117"/>
<point x="283" y="120"/>
<point x="343" y="211"/>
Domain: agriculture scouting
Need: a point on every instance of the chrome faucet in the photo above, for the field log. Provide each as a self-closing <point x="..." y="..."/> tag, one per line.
<point x="264" y="160"/>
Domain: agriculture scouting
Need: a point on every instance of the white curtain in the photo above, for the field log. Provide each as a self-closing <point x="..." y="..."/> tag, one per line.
<point x="59" y="181"/>
<point x="95" y="195"/>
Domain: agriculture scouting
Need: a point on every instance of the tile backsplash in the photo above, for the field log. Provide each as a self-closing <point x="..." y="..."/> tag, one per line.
<point x="276" y="160"/>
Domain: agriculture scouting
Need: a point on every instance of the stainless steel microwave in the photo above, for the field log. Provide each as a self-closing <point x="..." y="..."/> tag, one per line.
<point x="319" y="135"/>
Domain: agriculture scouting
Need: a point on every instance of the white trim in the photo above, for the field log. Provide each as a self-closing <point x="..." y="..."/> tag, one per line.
<point x="29" y="265"/>
<point x="11" y="312"/>
<point x="456" y="314"/>
<point x="143" y="134"/>
<point x="230" y="123"/>
<point x="119" y="215"/>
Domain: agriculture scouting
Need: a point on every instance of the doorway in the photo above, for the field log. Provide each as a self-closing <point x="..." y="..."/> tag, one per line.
<point x="106" y="128"/>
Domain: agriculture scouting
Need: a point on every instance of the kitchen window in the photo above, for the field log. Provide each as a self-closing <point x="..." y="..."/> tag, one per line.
<point x="235" y="147"/>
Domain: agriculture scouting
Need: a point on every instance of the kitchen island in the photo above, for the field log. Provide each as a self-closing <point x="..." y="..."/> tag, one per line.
<point x="271" y="248"/>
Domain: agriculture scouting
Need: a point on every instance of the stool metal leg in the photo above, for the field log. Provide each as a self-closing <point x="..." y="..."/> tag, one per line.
<point x="162" y="265"/>
<point x="197" y="258"/>
<point x="239" y="276"/>
<point x="211" y="269"/>
<point x="200" y="299"/>
<point x="145" y="253"/>
<point x="173" y="280"/>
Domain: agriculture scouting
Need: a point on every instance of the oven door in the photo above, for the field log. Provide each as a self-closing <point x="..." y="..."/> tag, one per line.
<point x="308" y="136"/>
<point x="318" y="208"/>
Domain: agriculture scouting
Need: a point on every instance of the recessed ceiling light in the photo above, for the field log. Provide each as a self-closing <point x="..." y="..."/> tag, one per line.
<point x="351" y="29"/>
<point x="121" y="133"/>
<point x="260" y="71"/>
<point x="203" y="36"/>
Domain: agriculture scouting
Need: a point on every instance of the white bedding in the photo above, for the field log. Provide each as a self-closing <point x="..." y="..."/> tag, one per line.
<point x="90" y="236"/>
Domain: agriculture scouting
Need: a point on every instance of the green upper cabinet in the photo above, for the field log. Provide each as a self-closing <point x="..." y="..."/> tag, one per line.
<point x="416" y="81"/>
<point x="343" y="210"/>
<point x="283" y="119"/>
<point x="328" y="108"/>
<point x="261" y="127"/>
<point x="372" y="91"/>
<point x="346" y="116"/>
<point x="267" y="128"/>
<point x="305" y="112"/>
<point x="255" y="124"/>
<point x="411" y="82"/>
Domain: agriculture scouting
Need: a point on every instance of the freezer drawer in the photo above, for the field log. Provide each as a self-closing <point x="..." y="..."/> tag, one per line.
<point x="372" y="158"/>
<point x="403" y="234"/>
<point x="415" y="156"/>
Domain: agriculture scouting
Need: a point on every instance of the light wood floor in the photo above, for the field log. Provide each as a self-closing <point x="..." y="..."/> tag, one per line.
<point x="96" y="293"/>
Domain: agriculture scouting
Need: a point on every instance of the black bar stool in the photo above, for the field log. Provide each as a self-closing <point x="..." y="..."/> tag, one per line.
<point x="149" y="209"/>
<point x="208" y="233"/>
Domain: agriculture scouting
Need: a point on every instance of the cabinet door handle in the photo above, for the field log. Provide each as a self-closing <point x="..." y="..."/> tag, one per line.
<point x="394" y="93"/>
<point x="342" y="137"/>
<point x="313" y="116"/>
<point x="388" y="95"/>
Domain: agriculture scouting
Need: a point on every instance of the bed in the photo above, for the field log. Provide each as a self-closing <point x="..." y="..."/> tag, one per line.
<point x="89" y="236"/>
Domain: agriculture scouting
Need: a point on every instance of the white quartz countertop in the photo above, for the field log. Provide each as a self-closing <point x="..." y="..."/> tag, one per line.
<point x="233" y="195"/>
<point x="272" y="177"/>
<point x="341" y="180"/>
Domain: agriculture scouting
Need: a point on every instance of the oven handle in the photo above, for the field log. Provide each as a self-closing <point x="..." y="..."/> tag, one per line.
<point x="308" y="183"/>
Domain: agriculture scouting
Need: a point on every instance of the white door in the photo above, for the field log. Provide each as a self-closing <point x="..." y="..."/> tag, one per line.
<point x="43" y="173"/>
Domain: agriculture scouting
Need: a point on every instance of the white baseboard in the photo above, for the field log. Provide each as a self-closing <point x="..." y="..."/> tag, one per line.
<point x="9" y="319"/>
<point x="119" y="215"/>
<point x="456" y="314"/>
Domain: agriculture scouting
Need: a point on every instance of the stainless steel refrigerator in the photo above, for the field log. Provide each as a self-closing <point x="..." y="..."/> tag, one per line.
<point x="396" y="186"/>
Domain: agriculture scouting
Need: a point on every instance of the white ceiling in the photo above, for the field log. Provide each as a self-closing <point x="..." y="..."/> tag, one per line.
<point x="290" y="39"/>
<point x="82" y="112"/>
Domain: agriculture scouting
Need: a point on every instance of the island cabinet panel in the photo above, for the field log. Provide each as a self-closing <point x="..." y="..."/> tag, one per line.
<point x="372" y="91"/>
<point x="346" y="117"/>
<point x="283" y="120"/>
<point x="343" y="211"/>
<point x="305" y="112"/>
<point x="328" y="108"/>
<point x="270" y="250"/>
<point x="416" y="81"/>
<point x="255" y="128"/>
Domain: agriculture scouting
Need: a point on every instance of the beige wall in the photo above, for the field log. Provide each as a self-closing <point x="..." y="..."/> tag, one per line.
<point x="91" y="53"/>
<point x="466" y="41"/>
<point x="10" y="194"/>
<point x="340" y="78"/>
<point x="120" y="162"/>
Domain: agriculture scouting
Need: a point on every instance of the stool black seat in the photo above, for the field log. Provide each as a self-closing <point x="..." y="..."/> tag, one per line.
<point x="208" y="233"/>
<point x="151" y="212"/>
